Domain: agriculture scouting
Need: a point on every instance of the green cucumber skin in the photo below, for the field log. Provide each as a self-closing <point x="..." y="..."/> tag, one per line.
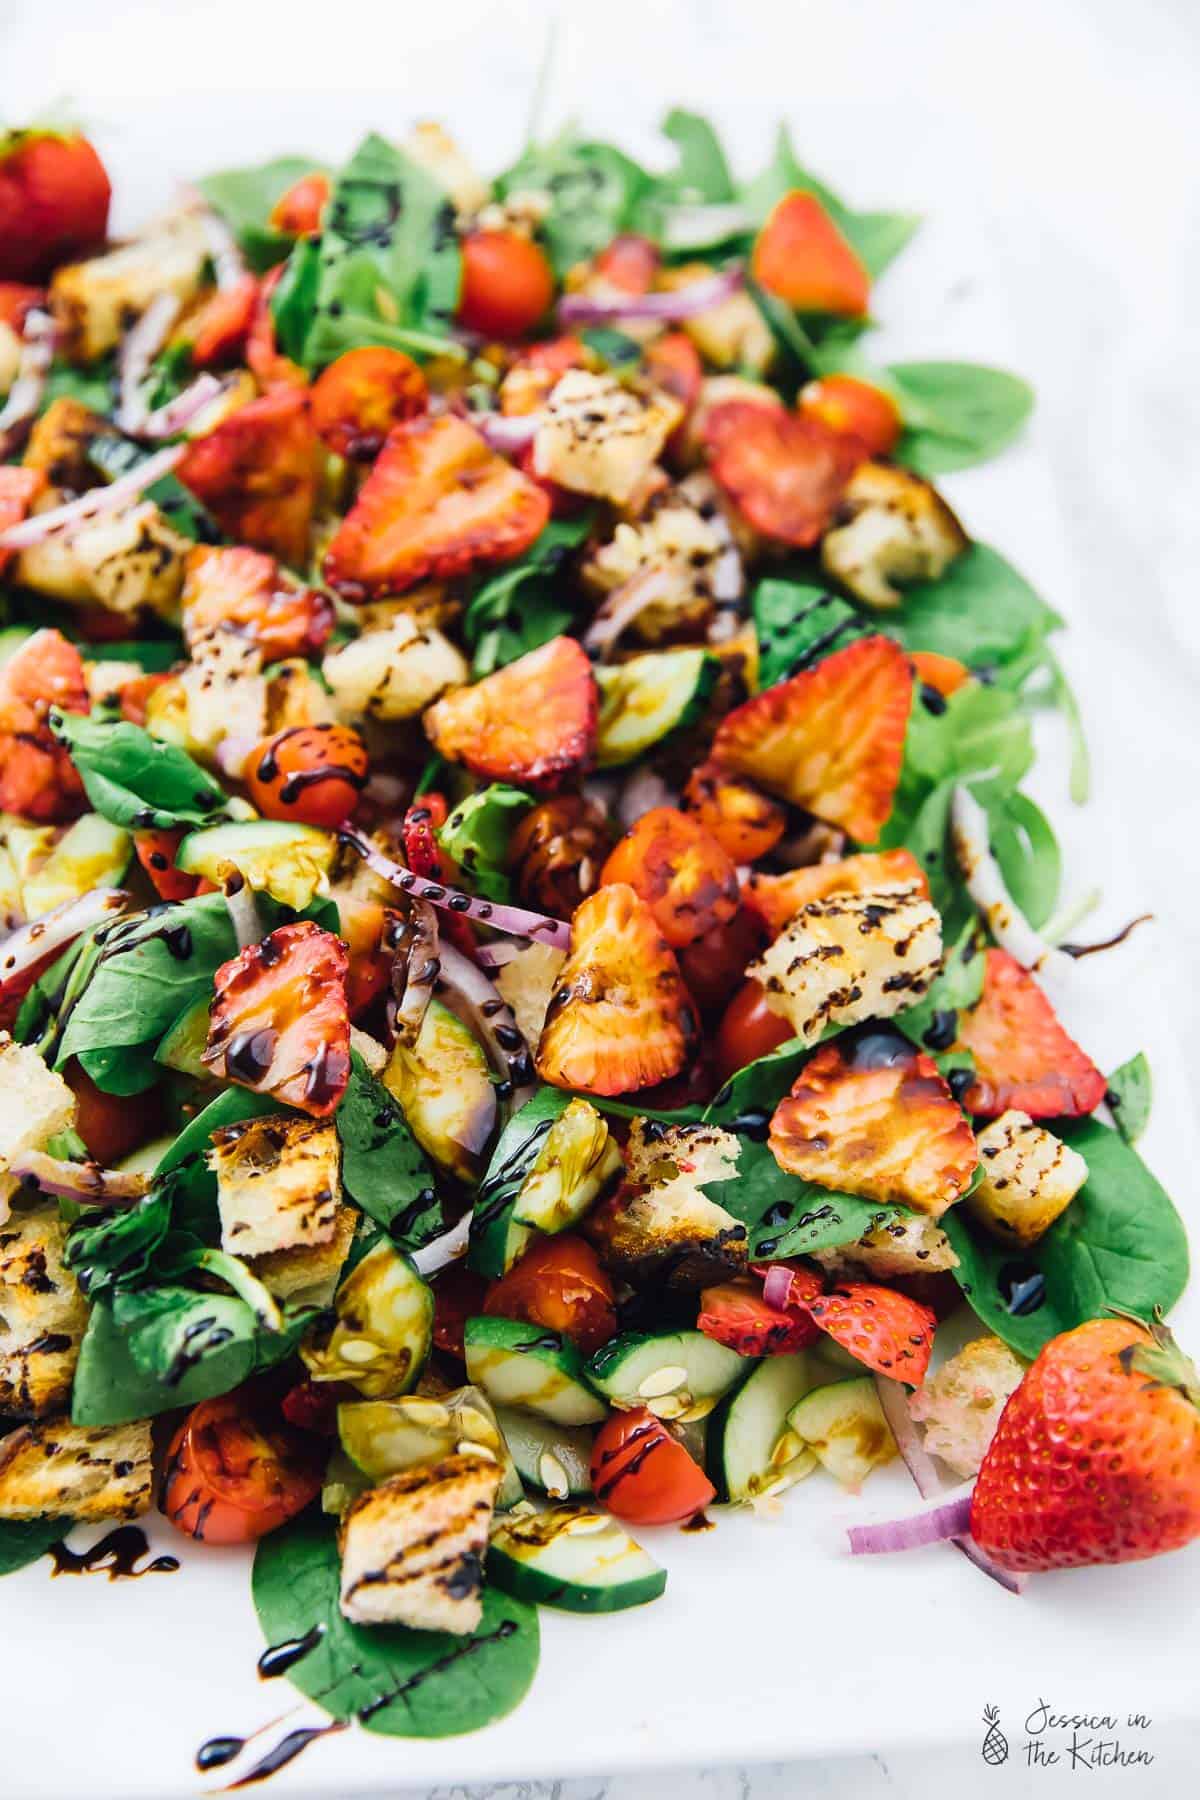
<point x="723" y="1422"/>
<point x="605" y="1368"/>
<point x="527" y="1583"/>
<point x="528" y="1436"/>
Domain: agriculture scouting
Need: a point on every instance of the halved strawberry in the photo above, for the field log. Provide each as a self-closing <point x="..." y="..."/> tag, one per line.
<point x="279" y="1021"/>
<point x="734" y="1313"/>
<point x="530" y="723"/>
<point x="884" y="1329"/>
<point x="944" y="674"/>
<point x="155" y="851"/>
<point x="239" y="589"/>
<point x="256" y="473"/>
<point x="19" y="488"/>
<point x="47" y="670"/>
<point x="38" y="780"/>
<point x="830" y="739"/>
<point x="871" y="1115"/>
<point x="620" y="1017"/>
<point x="745" y="822"/>
<point x="298" y="211"/>
<point x="680" y="871"/>
<point x="784" y="472"/>
<point x="629" y="262"/>
<point x="217" y="330"/>
<point x="778" y="898"/>
<point x="1023" y="1056"/>
<point x="801" y="256"/>
<point x="437" y="502"/>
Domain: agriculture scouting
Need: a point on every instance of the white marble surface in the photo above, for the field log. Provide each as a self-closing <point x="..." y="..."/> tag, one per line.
<point x="1069" y="127"/>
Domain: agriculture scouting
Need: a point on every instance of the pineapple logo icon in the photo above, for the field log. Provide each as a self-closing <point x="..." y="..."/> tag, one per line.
<point x="995" y="1745"/>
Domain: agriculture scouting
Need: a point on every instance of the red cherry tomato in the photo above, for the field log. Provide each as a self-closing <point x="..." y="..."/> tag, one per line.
<point x="54" y="195"/>
<point x="358" y="398"/>
<point x="156" y="852"/>
<point x="507" y="284"/>
<point x="459" y="1294"/>
<point x="298" y="212"/>
<point x="748" y="1030"/>
<point x="111" y="1125"/>
<point x="641" y="1473"/>
<point x="713" y="967"/>
<point x="559" y="1285"/>
<point x="231" y="1476"/>
<point x="313" y="773"/>
<point x="856" y="409"/>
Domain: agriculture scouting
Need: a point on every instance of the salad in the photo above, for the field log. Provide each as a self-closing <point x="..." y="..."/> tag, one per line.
<point x="526" y="960"/>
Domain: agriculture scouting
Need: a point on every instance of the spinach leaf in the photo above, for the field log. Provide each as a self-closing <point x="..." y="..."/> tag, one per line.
<point x="797" y="624"/>
<point x="93" y="387"/>
<point x="183" y="1168"/>
<point x="516" y="1151"/>
<point x="702" y="171"/>
<point x="136" y="780"/>
<point x="397" y="1682"/>
<point x="517" y="610"/>
<point x="614" y="348"/>
<point x="1120" y="1243"/>
<point x="107" y="1248"/>
<point x="22" y="1541"/>
<point x="477" y="835"/>
<point x="594" y="189"/>
<point x="932" y="1023"/>
<point x="154" y="654"/>
<point x="1130" y="1096"/>
<point x="957" y="414"/>
<point x="877" y="238"/>
<point x="245" y="199"/>
<point x="981" y="611"/>
<point x="383" y="1167"/>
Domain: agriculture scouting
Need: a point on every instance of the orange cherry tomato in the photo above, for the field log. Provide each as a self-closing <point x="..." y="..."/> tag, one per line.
<point x="313" y="773"/>
<point x="232" y="1476"/>
<point x="459" y="1294"/>
<point x="714" y="965"/>
<point x="298" y="212"/>
<point x="559" y="1285"/>
<point x="748" y="1030"/>
<point x="679" y="870"/>
<point x="745" y="822"/>
<point x="856" y="409"/>
<point x="358" y="398"/>
<point x="507" y="284"/>
<point x="155" y="851"/>
<point x="945" y="674"/>
<point x="111" y="1125"/>
<point x="641" y="1473"/>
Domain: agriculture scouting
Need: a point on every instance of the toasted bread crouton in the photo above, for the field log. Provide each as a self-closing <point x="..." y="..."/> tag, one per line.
<point x="35" y="1104"/>
<point x="394" y="673"/>
<point x="278" y="1183"/>
<point x="909" y="1244"/>
<point x="892" y="527"/>
<point x="675" y="550"/>
<point x="851" y="957"/>
<point x="308" y="1274"/>
<point x="413" y="1547"/>
<point x="133" y="560"/>
<point x="660" y="1224"/>
<point x="94" y="302"/>
<point x="83" y="1472"/>
<point x="224" y="692"/>
<point x="42" y="1314"/>
<point x="527" y="981"/>
<point x="599" y="437"/>
<point x="1029" y="1178"/>
<point x="296" y="697"/>
<point x="60" y="444"/>
<point x="960" y="1406"/>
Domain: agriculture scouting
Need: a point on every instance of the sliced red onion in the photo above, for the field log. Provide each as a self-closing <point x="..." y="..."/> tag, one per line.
<point x="39" y="336"/>
<point x="777" y="1286"/>
<point x="1014" y="1583"/>
<point x="415" y="969"/>
<point x="644" y="790"/>
<point x="177" y="414"/>
<point x="445" y="1249"/>
<point x="622" y="606"/>
<point x="86" y="1182"/>
<point x="490" y="1015"/>
<point x="112" y="498"/>
<point x="986" y="886"/>
<point x="140" y="345"/>
<point x="939" y="1524"/>
<point x="682" y="303"/>
<point x="507" y="433"/>
<point x="494" y="956"/>
<point x="29" y="946"/>
<point x="248" y="927"/>
<point x="513" y="919"/>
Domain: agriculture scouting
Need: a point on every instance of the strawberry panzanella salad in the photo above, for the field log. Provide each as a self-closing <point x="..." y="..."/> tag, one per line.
<point x="529" y="980"/>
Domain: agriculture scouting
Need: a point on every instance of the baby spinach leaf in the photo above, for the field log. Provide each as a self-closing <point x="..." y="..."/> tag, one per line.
<point x="594" y="191"/>
<point x="702" y="171"/>
<point x="383" y="1167"/>
<point x="154" y="654"/>
<point x="981" y="611"/>
<point x="1130" y="1096"/>
<point x="22" y="1541"/>
<point x="245" y="199"/>
<point x="107" y="1248"/>
<point x="614" y="348"/>
<point x="932" y="1023"/>
<point x="93" y="387"/>
<point x="876" y="237"/>
<point x="397" y="1682"/>
<point x="516" y="1151"/>
<point x="183" y="1170"/>
<point x="517" y="609"/>
<point x="797" y="624"/>
<point x="477" y="835"/>
<point x="135" y="780"/>
<point x="957" y="414"/>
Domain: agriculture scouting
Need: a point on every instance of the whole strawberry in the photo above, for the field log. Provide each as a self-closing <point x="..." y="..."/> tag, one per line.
<point x="1096" y="1458"/>
<point x="54" y="195"/>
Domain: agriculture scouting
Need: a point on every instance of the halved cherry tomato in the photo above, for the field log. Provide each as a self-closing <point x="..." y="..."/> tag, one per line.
<point x="234" y="587"/>
<point x="111" y="1125"/>
<point x="801" y="256"/>
<point x="298" y="212"/>
<point x="232" y="1476"/>
<point x="362" y="923"/>
<point x="944" y="674"/>
<point x="855" y="408"/>
<point x="679" y="870"/>
<point x="559" y="1284"/>
<point x="54" y="197"/>
<point x="314" y="773"/>
<point x="734" y="1313"/>
<point x="507" y="284"/>
<point x="155" y="851"/>
<point x="257" y="473"/>
<point x="748" y="1030"/>
<point x="358" y="398"/>
<point x="16" y="299"/>
<point x="459" y="1294"/>
<point x="713" y="967"/>
<point x="279" y="1020"/>
<point x="745" y="822"/>
<point x="785" y="473"/>
<point x="643" y="1474"/>
<point x="630" y="263"/>
<point x="217" y="331"/>
<point x="19" y="488"/>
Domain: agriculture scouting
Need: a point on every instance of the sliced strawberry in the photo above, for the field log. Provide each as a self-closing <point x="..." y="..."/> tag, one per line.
<point x="155" y="851"/>
<point x="885" y="1330"/>
<point x="785" y="473"/>
<point x="279" y="1021"/>
<point x="256" y="473"/>
<point x="629" y="262"/>
<point x="778" y="898"/>
<point x="745" y="822"/>
<point x="871" y="1115"/>
<point x="830" y="739"/>
<point x="19" y="488"/>
<point x="217" y="331"/>
<point x="437" y="503"/>
<point x="425" y="856"/>
<point x="944" y="674"/>
<point x="802" y="257"/>
<point x="734" y="1313"/>
<point x="298" y="212"/>
<point x="620" y="1017"/>
<point x="133" y="696"/>
<point x="37" y="778"/>
<point x="680" y="871"/>
<point x="54" y="198"/>
<point x="530" y="723"/>
<point x="1023" y="1057"/>
<point x="357" y="400"/>
<point x="673" y="364"/>
<point x="239" y="589"/>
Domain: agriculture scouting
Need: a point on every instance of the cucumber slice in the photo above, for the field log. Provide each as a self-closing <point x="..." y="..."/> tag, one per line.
<point x="554" y="1458"/>
<point x="519" y="1365"/>
<point x="677" y="1374"/>
<point x="146" y="1159"/>
<point x="751" y="1447"/>
<point x="290" y="862"/>
<point x="573" y="1558"/>
<point x="379" y="1341"/>
<point x="843" y="1424"/>
<point x="444" y="1087"/>
<point x="383" y="1437"/>
<point x="183" y="1042"/>
<point x="553" y="1160"/>
<point x="645" y="698"/>
<point x="92" y="853"/>
<point x="496" y="1240"/>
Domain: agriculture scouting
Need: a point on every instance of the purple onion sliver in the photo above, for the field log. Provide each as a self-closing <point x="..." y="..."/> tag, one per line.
<point x="55" y="930"/>
<point x="777" y="1286"/>
<point x="893" y="1398"/>
<point x="1007" y="1578"/>
<point x="937" y="1525"/>
<point x="85" y="1182"/>
<point x="683" y="303"/>
<point x="97" y="500"/>
<point x="507" y="433"/>
<point x="512" y="919"/>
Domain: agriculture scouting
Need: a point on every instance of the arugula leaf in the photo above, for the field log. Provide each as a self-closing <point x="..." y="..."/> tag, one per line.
<point x="594" y="189"/>
<point x="477" y="835"/>
<point x="397" y="1682"/>
<point x="1130" y="1096"/>
<point x="245" y="199"/>
<point x="22" y="1541"/>
<point x="957" y="414"/>
<point x="516" y="610"/>
<point x="876" y="237"/>
<point x="1026" y="848"/>
<point x="981" y="611"/>
<point x="135" y="780"/>
<point x="384" y="1169"/>
<point x="796" y="624"/>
